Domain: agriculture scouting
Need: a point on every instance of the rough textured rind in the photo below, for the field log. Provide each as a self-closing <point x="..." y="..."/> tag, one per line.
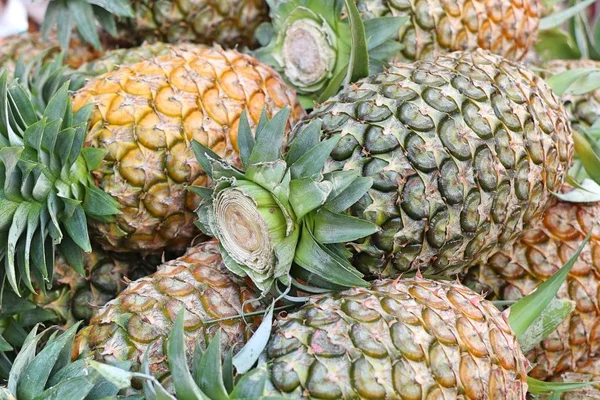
<point x="584" y="108"/>
<point x="406" y="339"/>
<point x="74" y="297"/>
<point x="229" y="23"/>
<point x="146" y="116"/>
<point x="507" y="28"/>
<point x="140" y="319"/>
<point x="463" y="150"/>
<point x="27" y="46"/>
<point x="515" y="272"/>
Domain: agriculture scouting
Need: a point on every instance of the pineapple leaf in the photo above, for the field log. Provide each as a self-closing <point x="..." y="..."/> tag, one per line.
<point x="338" y="228"/>
<point x="228" y="370"/>
<point x="318" y="260"/>
<point x="72" y="253"/>
<point x="551" y="317"/>
<point x="76" y="228"/>
<point x="350" y="195"/>
<point x="72" y="389"/>
<point x="306" y="139"/>
<point x="37" y="372"/>
<point x="83" y="13"/>
<point x="245" y="139"/>
<point x="251" y="385"/>
<point x="313" y="161"/>
<point x="209" y="371"/>
<point x="205" y="157"/>
<point x="524" y="312"/>
<point x="557" y="19"/>
<point x="25" y="356"/>
<point x="307" y="195"/>
<point x="183" y="381"/>
<point x="270" y="140"/>
<point x="382" y="30"/>
<point x="535" y="386"/>
<point x="589" y="159"/>
<point x="358" y="66"/>
<point x="248" y="355"/>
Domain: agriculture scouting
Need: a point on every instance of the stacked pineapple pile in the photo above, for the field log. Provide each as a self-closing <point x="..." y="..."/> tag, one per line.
<point x="355" y="156"/>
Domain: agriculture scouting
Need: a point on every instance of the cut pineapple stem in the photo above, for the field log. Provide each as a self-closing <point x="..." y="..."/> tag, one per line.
<point x="243" y="231"/>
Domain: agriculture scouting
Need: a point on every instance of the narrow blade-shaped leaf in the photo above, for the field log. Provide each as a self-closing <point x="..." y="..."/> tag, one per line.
<point x="209" y="372"/>
<point x="313" y="161"/>
<point x="245" y="139"/>
<point x="307" y="195"/>
<point x="556" y="19"/>
<point x="184" y="384"/>
<point x="306" y="139"/>
<point x="351" y="195"/>
<point x="269" y="143"/>
<point x="589" y="159"/>
<point x="340" y="228"/>
<point x="358" y="66"/>
<point x="248" y="355"/>
<point x="76" y="227"/>
<point x="316" y="259"/>
<point x="525" y="311"/>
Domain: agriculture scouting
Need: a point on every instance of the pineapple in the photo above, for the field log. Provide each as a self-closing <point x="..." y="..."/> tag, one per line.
<point x="229" y="23"/>
<point x="507" y="28"/>
<point x="145" y="115"/>
<point x="29" y="45"/>
<point x="408" y="339"/>
<point x="516" y="271"/>
<point x="75" y="297"/>
<point x="140" y="319"/>
<point x="456" y="156"/>
<point x="583" y="109"/>
<point x="118" y="155"/>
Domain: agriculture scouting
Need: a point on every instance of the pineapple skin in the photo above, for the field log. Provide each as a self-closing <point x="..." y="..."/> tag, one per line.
<point x="229" y="23"/>
<point x="506" y="28"/>
<point x="515" y="272"/>
<point x="463" y="151"/>
<point x="147" y="114"/>
<point x="141" y="318"/>
<point x="583" y="109"/>
<point x="29" y="45"/>
<point x="74" y="297"/>
<point x="404" y="339"/>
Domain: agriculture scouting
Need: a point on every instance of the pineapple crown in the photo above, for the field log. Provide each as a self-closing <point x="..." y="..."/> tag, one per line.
<point x="317" y="49"/>
<point x="50" y="374"/>
<point x="85" y="15"/>
<point x="46" y="189"/>
<point x="283" y="218"/>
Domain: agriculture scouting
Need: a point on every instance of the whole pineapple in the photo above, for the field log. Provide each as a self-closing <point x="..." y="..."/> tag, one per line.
<point x="508" y="28"/>
<point x="140" y="319"/>
<point x="146" y="115"/>
<point x="405" y="339"/>
<point x="452" y="158"/>
<point x="463" y="151"/>
<point x="74" y="297"/>
<point x="516" y="271"/>
<point x="229" y="23"/>
<point x="583" y="109"/>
